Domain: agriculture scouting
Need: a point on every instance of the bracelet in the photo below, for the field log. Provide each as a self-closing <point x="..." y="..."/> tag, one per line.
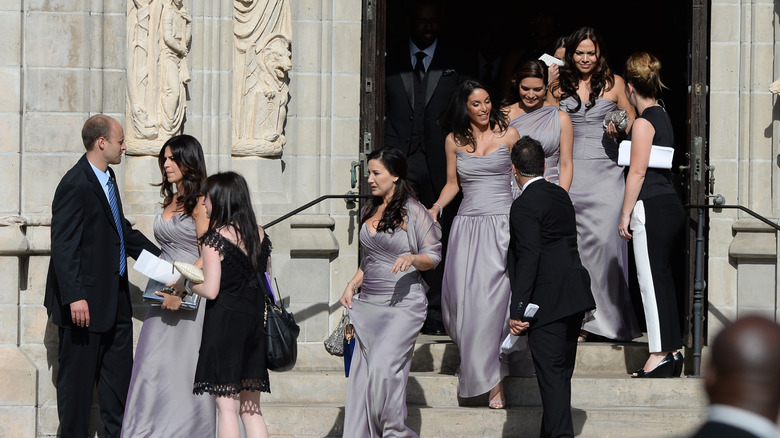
<point x="354" y="286"/>
<point x="440" y="207"/>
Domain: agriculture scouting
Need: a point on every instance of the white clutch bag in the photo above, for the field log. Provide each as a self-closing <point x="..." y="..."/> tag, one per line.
<point x="190" y="272"/>
<point x="660" y="156"/>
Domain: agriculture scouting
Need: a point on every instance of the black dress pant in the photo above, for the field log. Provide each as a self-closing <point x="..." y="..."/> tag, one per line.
<point x="87" y="359"/>
<point x="554" y="351"/>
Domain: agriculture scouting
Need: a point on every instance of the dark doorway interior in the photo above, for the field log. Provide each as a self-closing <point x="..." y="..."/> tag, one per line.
<point x="524" y="30"/>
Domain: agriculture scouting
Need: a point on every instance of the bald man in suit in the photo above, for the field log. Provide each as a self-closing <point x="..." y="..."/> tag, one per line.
<point x="742" y="380"/>
<point x="87" y="293"/>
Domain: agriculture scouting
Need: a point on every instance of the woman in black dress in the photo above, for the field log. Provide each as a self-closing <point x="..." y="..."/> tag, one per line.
<point x="231" y="364"/>
<point x="653" y="216"/>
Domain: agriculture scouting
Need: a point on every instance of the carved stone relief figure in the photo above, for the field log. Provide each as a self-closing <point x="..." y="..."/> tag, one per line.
<point x="159" y="34"/>
<point x="262" y="34"/>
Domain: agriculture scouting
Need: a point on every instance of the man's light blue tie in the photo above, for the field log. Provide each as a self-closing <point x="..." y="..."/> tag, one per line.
<point x="115" y="211"/>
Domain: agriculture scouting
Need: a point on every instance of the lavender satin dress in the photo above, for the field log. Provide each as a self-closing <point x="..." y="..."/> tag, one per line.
<point x="597" y="194"/>
<point x="388" y="314"/>
<point x="475" y="290"/>
<point x="543" y="125"/>
<point x="160" y="402"/>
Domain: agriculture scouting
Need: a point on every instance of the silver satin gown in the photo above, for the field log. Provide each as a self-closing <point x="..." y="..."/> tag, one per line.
<point x="597" y="194"/>
<point x="543" y="125"/>
<point x="160" y="402"/>
<point x="388" y="314"/>
<point x="476" y="290"/>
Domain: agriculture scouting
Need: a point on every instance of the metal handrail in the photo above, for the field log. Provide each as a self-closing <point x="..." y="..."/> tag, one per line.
<point x="698" y="281"/>
<point x="351" y="197"/>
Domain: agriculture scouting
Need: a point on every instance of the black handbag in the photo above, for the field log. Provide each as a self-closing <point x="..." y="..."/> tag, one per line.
<point x="281" y="335"/>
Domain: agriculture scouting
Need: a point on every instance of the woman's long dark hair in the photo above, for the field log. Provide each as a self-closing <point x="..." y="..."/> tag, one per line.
<point x="455" y="117"/>
<point x="188" y="155"/>
<point x="569" y="79"/>
<point x="231" y="206"/>
<point x="393" y="217"/>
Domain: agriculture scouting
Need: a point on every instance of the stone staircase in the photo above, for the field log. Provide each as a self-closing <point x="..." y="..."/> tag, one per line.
<point x="606" y="402"/>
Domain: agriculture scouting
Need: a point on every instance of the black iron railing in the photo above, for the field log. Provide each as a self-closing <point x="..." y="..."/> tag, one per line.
<point x="350" y="197"/>
<point x="698" y="281"/>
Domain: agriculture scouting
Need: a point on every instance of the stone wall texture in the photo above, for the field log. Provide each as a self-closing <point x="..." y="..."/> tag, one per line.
<point x="62" y="61"/>
<point x="743" y="148"/>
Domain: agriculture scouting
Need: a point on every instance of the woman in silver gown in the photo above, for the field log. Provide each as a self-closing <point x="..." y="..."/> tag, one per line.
<point x="160" y="402"/>
<point x="476" y="291"/>
<point x="399" y="240"/>
<point x="531" y="115"/>
<point x="587" y="89"/>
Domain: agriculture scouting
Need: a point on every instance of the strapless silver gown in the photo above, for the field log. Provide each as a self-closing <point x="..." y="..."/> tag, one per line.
<point x="160" y="402"/>
<point x="597" y="194"/>
<point x="476" y="290"/>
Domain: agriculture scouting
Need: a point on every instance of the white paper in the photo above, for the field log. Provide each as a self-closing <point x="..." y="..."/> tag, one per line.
<point x="510" y="342"/>
<point x="156" y="268"/>
<point x="550" y="60"/>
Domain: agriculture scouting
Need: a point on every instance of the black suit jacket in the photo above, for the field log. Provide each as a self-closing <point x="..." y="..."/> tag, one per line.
<point x="543" y="262"/>
<point x="444" y="74"/>
<point x="713" y="429"/>
<point x="85" y="250"/>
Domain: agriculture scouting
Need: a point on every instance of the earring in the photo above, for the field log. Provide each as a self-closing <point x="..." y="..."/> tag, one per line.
<point x="395" y="181"/>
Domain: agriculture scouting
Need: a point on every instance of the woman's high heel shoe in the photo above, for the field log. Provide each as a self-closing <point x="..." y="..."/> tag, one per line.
<point x="664" y="369"/>
<point x="678" y="364"/>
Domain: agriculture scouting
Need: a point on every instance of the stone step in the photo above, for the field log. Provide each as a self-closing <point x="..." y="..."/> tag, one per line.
<point x="440" y="390"/>
<point x="440" y="354"/>
<point x="290" y="420"/>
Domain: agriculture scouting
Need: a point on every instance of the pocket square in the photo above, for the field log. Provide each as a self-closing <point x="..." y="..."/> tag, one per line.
<point x="447" y="71"/>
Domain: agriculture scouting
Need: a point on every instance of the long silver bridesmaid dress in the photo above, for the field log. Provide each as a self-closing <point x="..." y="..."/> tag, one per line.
<point x="476" y="290"/>
<point x="388" y="314"/>
<point x="597" y="194"/>
<point x="160" y="402"/>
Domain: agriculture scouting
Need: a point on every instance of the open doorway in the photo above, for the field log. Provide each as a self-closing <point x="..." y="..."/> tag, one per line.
<point x="675" y="31"/>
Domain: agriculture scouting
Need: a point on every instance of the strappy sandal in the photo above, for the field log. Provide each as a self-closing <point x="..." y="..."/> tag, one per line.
<point x="497" y="402"/>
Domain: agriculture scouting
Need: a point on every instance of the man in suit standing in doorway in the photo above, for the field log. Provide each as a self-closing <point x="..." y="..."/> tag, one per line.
<point x="87" y="293"/>
<point x="545" y="269"/>
<point x="420" y="76"/>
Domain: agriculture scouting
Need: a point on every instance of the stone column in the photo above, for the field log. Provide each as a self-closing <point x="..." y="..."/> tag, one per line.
<point x="743" y="149"/>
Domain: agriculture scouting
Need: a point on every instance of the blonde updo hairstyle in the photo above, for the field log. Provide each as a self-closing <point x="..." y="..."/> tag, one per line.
<point x="643" y="73"/>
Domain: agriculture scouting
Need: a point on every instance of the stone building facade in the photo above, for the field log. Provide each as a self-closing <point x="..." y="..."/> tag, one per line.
<point x="64" y="60"/>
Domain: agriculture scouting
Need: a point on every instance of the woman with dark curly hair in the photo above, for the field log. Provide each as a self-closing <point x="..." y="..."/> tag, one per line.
<point x="475" y="290"/>
<point x="164" y="366"/>
<point x="399" y="240"/>
<point x="588" y="90"/>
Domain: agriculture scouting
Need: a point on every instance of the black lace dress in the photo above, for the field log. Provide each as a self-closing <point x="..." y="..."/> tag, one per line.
<point x="232" y="349"/>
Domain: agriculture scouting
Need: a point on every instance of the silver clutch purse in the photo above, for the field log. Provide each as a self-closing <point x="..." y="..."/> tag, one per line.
<point x="619" y="118"/>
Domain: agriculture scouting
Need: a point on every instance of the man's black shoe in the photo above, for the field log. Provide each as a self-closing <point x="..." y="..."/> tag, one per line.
<point x="433" y="327"/>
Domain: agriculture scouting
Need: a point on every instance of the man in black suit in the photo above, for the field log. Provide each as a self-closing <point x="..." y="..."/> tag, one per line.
<point x="743" y="381"/>
<point x="545" y="269"/>
<point x="86" y="290"/>
<point x="420" y="76"/>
